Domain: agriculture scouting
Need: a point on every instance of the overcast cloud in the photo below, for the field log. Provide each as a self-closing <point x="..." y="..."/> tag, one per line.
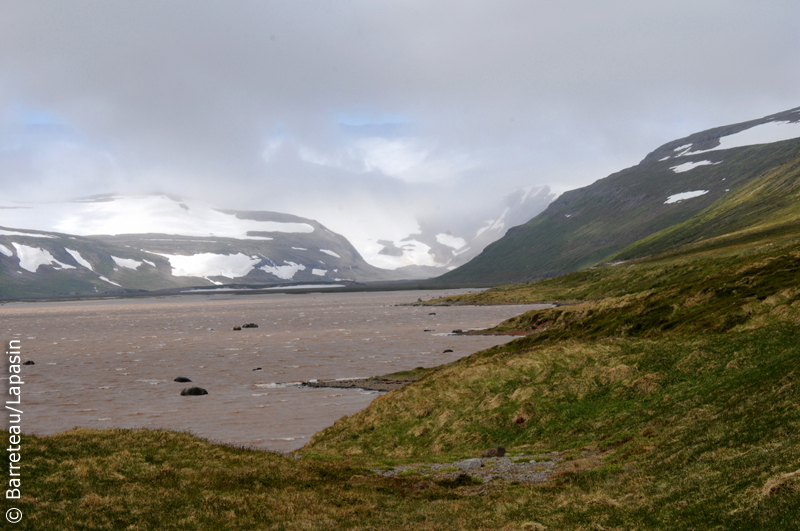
<point x="370" y="115"/>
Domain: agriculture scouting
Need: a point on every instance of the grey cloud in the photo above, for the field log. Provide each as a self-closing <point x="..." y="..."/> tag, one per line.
<point x="220" y="100"/>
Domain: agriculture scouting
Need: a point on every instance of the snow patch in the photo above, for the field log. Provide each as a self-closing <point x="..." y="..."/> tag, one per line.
<point x="148" y="262"/>
<point x="5" y="250"/>
<point x="451" y="241"/>
<point x="686" y="166"/>
<point x="126" y="262"/>
<point x="16" y="233"/>
<point x="684" y="195"/>
<point x="319" y="272"/>
<point x="81" y="260"/>
<point x="110" y="282"/>
<point x="326" y="251"/>
<point x="30" y="258"/>
<point x="299" y="249"/>
<point x="285" y="272"/>
<point x="210" y="264"/>
<point x="760" y="134"/>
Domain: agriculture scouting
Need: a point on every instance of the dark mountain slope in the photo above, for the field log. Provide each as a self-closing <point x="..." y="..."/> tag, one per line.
<point x="589" y="225"/>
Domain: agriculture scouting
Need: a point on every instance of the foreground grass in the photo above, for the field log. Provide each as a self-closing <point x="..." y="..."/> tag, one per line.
<point x="696" y="434"/>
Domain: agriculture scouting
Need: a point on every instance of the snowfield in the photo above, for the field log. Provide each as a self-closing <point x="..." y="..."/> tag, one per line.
<point x="126" y="262"/>
<point x="684" y="195"/>
<point x="15" y="233"/>
<point x="140" y="215"/>
<point x="211" y="265"/>
<point x="451" y="241"/>
<point x="81" y="260"/>
<point x="686" y="166"/>
<point x="285" y="272"/>
<point x="30" y="258"/>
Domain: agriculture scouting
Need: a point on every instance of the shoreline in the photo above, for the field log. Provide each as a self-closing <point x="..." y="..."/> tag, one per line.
<point x="367" y="384"/>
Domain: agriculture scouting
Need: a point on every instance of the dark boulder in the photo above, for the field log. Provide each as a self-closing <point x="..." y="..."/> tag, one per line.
<point x="181" y="379"/>
<point x="458" y="331"/>
<point x="29" y="362"/>
<point x="497" y="451"/>
<point x="257" y="369"/>
<point x="193" y="391"/>
<point x="445" y="351"/>
<point x="432" y="313"/>
<point x="250" y="325"/>
<point x="237" y="327"/>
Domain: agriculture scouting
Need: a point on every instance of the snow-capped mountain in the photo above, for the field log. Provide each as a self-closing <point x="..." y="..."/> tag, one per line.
<point x="443" y="244"/>
<point x="112" y="243"/>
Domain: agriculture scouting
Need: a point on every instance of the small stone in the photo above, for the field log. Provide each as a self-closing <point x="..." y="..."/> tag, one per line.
<point x="257" y="369"/>
<point x="237" y="327"/>
<point x="181" y="379"/>
<point x="458" y="331"/>
<point x="497" y="451"/>
<point x="250" y="325"/>
<point x="469" y="464"/>
<point x="29" y="362"/>
<point x="193" y="391"/>
<point x="433" y="313"/>
<point x="428" y="330"/>
<point x="445" y="351"/>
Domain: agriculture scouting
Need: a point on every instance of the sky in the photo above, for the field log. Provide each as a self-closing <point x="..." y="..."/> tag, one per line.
<point x="372" y="117"/>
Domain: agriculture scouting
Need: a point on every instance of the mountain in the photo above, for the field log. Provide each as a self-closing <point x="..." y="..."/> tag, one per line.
<point x="668" y="188"/>
<point x="109" y="244"/>
<point x="449" y="240"/>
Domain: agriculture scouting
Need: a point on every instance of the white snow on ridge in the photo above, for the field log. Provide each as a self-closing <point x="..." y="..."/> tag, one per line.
<point x="126" y="262"/>
<point x="210" y="264"/>
<point x="326" y="251"/>
<point x="109" y="281"/>
<point x="451" y="241"/>
<point x="30" y="258"/>
<point x="285" y="272"/>
<point x="81" y="260"/>
<point x="684" y="195"/>
<point x="16" y="233"/>
<point x="319" y="272"/>
<point x="766" y="133"/>
<point x="141" y="215"/>
<point x="686" y="166"/>
<point x="299" y="248"/>
<point x="5" y="250"/>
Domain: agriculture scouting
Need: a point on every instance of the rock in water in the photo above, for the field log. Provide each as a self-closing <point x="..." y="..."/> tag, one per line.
<point x="181" y="379"/>
<point x="469" y="464"/>
<point x="193" y="391"/>
<point x="497" y="451"/>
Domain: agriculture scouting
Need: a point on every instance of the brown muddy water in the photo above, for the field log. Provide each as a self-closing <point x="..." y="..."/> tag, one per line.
<point x="111" y="363"/>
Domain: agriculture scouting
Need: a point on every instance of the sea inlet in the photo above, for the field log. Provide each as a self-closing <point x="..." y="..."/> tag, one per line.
<point x="112" y="363"/>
